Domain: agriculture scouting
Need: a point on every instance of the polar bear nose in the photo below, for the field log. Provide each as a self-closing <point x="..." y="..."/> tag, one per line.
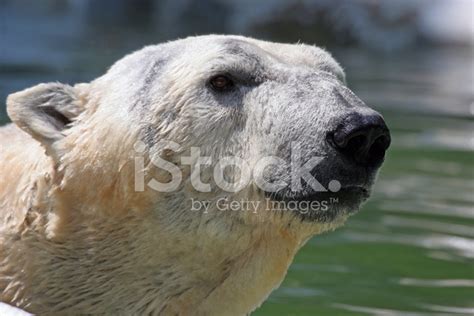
<point x="362" y="138"/>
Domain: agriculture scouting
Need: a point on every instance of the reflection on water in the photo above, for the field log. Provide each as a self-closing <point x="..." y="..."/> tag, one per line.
<point x="434" y="310"/>
<point x="411" y="250"/>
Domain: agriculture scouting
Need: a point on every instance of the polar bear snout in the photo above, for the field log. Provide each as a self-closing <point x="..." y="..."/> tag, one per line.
<point x="363" y="139"/>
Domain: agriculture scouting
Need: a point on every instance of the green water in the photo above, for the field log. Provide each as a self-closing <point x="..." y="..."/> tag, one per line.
<point x="410" y="250"/>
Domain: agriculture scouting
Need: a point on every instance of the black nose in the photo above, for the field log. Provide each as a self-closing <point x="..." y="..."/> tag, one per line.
<point x="362" y="138"/>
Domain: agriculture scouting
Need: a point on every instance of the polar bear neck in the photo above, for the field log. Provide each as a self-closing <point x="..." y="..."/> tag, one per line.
<point x="106" y="267"/>
<point x="111" y="254"/>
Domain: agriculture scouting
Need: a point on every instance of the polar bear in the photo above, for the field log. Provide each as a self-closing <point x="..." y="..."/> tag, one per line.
<point x="111" y="192"/>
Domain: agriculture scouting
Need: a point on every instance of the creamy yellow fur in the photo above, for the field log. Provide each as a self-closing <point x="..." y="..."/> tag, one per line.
<point x="62" y="256"/>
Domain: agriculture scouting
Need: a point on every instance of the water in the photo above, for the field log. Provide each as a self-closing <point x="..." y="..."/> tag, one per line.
<point x="410" y="250"/>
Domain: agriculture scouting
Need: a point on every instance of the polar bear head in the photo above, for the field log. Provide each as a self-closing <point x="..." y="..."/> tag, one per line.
<point x="217" y="121"/>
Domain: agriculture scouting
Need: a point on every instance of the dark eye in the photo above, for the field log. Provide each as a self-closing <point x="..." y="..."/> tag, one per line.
<point x="221" y="83"/>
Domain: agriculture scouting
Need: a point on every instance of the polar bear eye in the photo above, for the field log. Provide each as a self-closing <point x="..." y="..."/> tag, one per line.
<point x="221" y="83"/>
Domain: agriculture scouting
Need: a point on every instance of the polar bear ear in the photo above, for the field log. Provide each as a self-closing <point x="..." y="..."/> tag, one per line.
<point x="46" y="110"/>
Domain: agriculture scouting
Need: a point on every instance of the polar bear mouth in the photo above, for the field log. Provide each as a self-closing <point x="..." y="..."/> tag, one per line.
<point x="323" y="206"/>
